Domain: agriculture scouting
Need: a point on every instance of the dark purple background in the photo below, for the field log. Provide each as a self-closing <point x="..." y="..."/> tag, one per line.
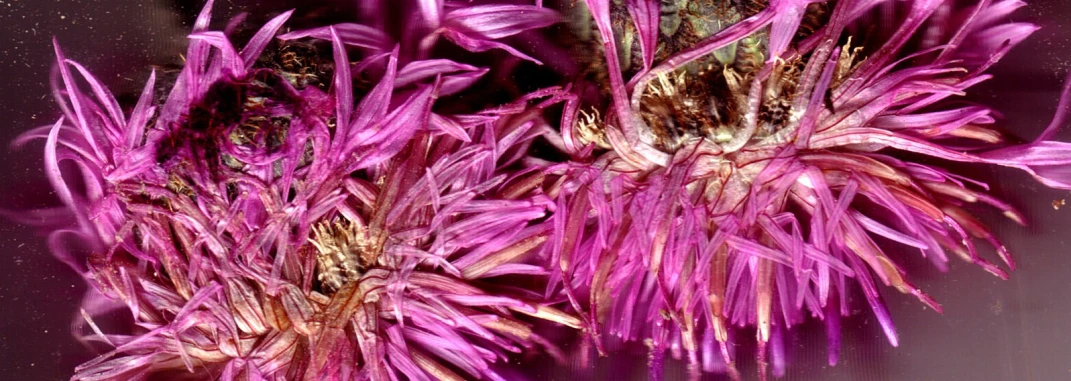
<point x="991" y="330"/>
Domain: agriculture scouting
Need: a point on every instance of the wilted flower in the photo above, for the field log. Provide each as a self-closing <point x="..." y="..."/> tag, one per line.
<point x="262" y="224"/>
<point x="742" y="175"/>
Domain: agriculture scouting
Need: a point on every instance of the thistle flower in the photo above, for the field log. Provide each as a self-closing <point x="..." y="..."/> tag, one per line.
<point x="258" y="226"/>
<point x="743" y="178"/>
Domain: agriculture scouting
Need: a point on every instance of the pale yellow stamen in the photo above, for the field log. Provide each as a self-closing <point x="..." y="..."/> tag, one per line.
<point x="340" y="245"/>
<point x="589" y="131"/>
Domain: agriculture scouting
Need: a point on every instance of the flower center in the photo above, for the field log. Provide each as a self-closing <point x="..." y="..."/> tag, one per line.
<point x="712" y="102"/>
<point x="344" y="251"/>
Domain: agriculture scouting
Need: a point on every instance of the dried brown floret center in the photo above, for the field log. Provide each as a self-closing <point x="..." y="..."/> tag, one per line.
<point x="711" y="102"/>
<point x="299" y="63"/>
<point x="709" y="99"/>
<point x="344" y="251"/>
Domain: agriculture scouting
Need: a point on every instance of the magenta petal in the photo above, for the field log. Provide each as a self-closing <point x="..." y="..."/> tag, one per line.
<point x="343" y="83"/>
<point x="646" y="14"/>
<point x="229" y="58"/>
<point x="1039" y="153"/>
<point x="450" y="127"/>
<point x="997" y="10"/>
<point x="78" y="101"/>
<point x="106" y="98"/>
<point x="492" y="22"/>
<point x="373" y="108"/>
<point x="260" y="40"/>
<point x="432" y="11"/>
<point x="1053" y="176"/>
<point x="480" y="45"/>
<point x="789" y="15"/>
<point x="995" y="41"/>
<point x="456" y="76"/>
<point x="55" y="177"/>
<point x="391" y="135"/>
<point x="349" y="34"/>
<point x="139" y="117"/>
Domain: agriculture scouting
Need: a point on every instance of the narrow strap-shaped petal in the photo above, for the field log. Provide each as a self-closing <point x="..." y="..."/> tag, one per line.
<point x="1041" y="153"/>
<point x="634" y="145"/>
<point x="350" y="34"/>
<point x="373" y="108"/>
<point x="721" y="39"/>
<point x="201" y="23"/>
<point x="493" y="22"/>
<point x="106" y="99"/>
<point x="646" y="15"/>
<point x="817" y="96"/>
<point x="342" y="84"/>
<point x="77" y="103"/>
<point x="398" y="128"/>
<point x="55" y="177"/>
<point x="1061" y="112"/>
<point x="463" y="75"/>
<point x="229" y="58"/>
<point x="789" y="15"/>
<point x="432" y="11"/>
<point x="480" y="45"/>
<point x="141" y="114"/>
<point x="260" y="40"/>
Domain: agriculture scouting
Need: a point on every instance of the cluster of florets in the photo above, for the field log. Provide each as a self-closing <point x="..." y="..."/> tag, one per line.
<point x="742" y="180"/>
<point x="263" y="224"/>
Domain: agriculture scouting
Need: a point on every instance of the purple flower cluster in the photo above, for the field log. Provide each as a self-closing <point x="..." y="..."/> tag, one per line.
<point x="673" y="232"/>
<point x="255" y="226"/>
<point x="284" y="215"/>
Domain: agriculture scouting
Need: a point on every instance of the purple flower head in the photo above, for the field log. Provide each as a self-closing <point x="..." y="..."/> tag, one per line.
<point x="273" y="220"/>
<point x="743" y="174"/>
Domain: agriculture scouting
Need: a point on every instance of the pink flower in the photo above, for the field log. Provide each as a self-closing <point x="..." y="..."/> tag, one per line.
<point x="749" y="191"/>
<point x="259" y="226"/>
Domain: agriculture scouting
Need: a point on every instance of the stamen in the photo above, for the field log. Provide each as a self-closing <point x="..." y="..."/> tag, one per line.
<point x="339" y="245"/>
